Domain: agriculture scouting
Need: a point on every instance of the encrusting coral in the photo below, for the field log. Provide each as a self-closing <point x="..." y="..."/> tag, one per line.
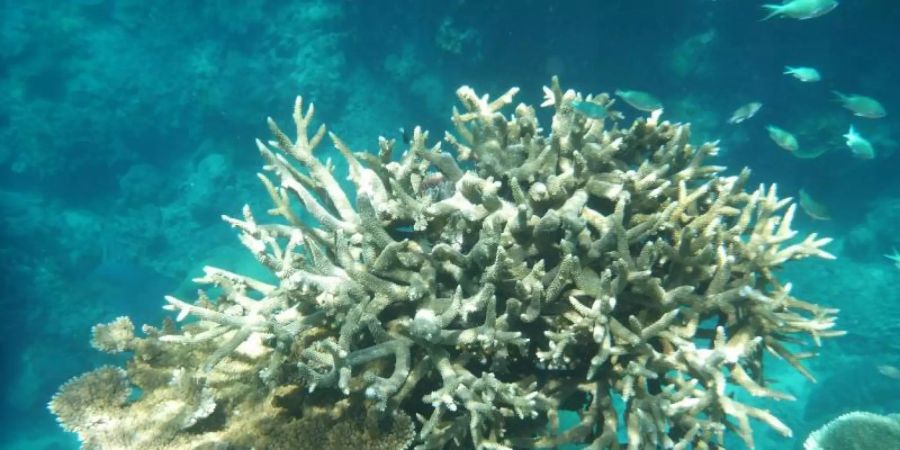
<point x="467" y="301"/>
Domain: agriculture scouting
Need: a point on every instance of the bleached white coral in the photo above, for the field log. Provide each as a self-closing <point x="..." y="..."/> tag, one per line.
<point x="560" y="269"/>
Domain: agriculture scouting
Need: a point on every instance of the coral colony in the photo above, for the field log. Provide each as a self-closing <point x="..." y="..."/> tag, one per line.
<point x="475" y="298"/>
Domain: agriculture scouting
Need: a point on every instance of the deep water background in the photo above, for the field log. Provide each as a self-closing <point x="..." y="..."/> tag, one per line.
<point x="127" y="127"/>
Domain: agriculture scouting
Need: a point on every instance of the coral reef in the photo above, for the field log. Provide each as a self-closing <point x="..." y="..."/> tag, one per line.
<point x="467" y="301"/>
<point x="856" y="431"/>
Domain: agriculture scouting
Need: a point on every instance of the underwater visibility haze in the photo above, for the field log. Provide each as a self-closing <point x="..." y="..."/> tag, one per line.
<point x="336" y="224"/>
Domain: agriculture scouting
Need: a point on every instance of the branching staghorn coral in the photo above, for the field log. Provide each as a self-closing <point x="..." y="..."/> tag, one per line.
<point x="608" y="272"/>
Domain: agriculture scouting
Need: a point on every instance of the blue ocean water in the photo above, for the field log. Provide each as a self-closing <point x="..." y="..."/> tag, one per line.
<point x="127" y="128"/>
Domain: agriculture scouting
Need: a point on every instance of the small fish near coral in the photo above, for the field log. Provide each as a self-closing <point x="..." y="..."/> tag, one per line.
<point x="640" y="100"/>
<point x="745" y="112"/>
<point x="783" y="138"/>
<point x="589" y="109"/>
<point x="813" y="208"/>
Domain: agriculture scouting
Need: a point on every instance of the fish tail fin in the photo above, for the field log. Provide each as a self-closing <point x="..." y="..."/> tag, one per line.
<point x="788" y="70"/>
<point x="840" y="95"/>
<point x="774" y="10"/>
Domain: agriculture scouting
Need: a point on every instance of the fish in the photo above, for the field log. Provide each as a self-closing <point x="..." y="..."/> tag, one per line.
<point x="813" y="208"/>
<point x="783" y="138"/>
<point x="860" y="147"/>
<point x="640" y="100"/>
<point x="861" y="105"/>
<point x="889" y="371"/>
<point x="589" y="109"/>
<point x="804" y="74"/>
<point x="800" y="9"/>
<point x="894" y="256"/>
<point x="805" y="153"/>
<point x="744" y="112"/>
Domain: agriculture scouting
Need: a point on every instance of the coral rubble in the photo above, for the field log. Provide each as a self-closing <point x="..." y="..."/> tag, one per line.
<point x="466" y="299"/>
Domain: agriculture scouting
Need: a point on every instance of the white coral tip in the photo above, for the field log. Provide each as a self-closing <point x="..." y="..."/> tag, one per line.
<point x="549" y="98"/>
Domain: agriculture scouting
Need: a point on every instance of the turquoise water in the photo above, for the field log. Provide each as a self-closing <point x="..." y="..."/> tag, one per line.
<point x="127" y="128"/>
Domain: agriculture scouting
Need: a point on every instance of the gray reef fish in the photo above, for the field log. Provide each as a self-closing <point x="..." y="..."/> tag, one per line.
<point x="813" y="208"/>
<point x="889" y="371"/>
<point x="800" y="9"/>
<point x="806" y="153"/>
<point x="895" y="257"/>
<point x="859" y="145"/>
<point x="744" y="112"/>
<point x="804" y="74"/>
<point x="861" y="105"/>
<point x="589" y="109"/>
<point x="783" y="138"/>
<point x="639" y="100"/>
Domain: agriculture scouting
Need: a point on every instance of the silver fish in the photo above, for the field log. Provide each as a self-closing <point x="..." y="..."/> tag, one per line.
<point x="589" y="109"/>
<point x="861" y="105"/>
<point x="859" y="146"/>
<point x="813" y="208"/>
<point x="782" y="138"/>
<point x="744" y="112"/>
<point x="640" y="100"/>
<point x="800" y="9"/>
<point x="804" y="74"/>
